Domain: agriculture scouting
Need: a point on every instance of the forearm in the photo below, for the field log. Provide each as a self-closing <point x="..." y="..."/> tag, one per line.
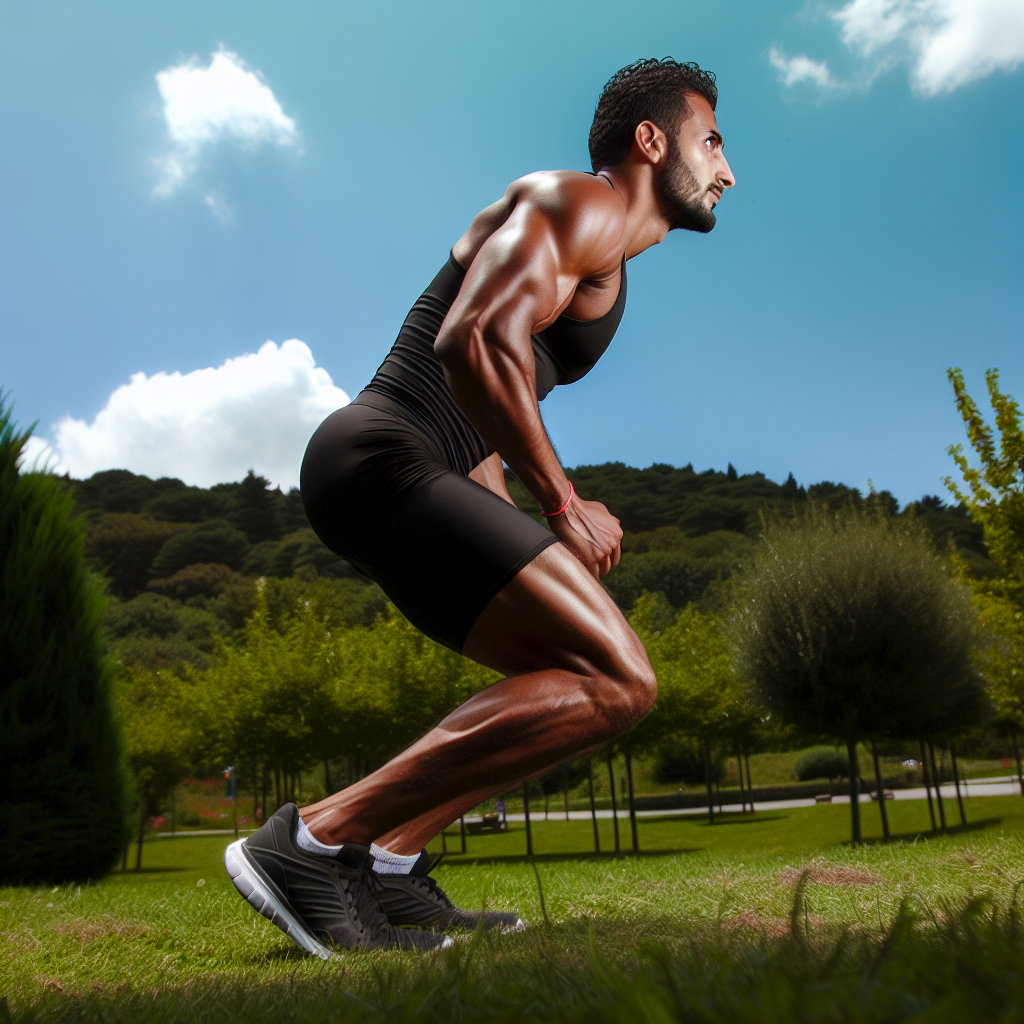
<point x="497" y="393"/>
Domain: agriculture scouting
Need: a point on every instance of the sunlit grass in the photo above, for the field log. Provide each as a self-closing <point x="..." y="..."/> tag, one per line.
<point x="176" y="943"/>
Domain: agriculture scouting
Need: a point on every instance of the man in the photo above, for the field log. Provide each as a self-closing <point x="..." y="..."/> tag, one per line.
<point x="406" y="482"/>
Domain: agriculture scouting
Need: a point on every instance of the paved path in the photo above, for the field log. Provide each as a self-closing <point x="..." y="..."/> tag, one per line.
<point x="1005" y="785"/>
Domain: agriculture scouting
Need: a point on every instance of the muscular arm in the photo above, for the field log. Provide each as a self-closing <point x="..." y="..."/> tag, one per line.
<point x="559" y="238"/>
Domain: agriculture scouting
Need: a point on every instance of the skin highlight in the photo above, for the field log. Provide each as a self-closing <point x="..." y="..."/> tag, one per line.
<point x="576" y="673"/>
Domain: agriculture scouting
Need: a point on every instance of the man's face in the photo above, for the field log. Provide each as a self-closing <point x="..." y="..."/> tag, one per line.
<point x="696" y="174"/>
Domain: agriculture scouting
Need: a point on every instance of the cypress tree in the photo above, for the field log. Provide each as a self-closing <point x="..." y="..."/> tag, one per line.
<point x="62" y="780"/>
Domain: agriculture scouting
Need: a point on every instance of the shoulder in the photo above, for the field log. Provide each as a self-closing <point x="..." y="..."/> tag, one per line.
<point x="583" y="210"/>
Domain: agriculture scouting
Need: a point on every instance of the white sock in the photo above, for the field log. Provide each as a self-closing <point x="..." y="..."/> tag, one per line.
<point x="309" y="842"/>
<point x="387" y="863"/>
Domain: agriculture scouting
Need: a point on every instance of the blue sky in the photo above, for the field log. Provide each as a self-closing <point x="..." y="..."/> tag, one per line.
<point x="873" y="240"/>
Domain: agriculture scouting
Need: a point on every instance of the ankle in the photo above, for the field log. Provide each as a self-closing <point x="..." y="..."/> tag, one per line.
<point x="305" y="840"/>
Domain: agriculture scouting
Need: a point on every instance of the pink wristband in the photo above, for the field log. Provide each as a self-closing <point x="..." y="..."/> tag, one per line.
<point x="548" y="515"/>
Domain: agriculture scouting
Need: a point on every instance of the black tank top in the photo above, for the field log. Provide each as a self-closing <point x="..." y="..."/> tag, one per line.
<point x="412" y="377"/>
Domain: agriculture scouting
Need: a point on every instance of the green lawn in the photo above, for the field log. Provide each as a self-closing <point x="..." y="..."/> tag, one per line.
<point x="708" y="924"/>
<point x="773" y="832"/>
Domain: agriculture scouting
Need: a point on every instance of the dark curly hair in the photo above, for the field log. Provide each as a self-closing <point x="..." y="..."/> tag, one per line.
<point x="646" y="90"/>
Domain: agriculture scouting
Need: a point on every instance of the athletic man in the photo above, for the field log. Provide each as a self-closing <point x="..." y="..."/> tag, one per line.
<point x="406" y="483"/>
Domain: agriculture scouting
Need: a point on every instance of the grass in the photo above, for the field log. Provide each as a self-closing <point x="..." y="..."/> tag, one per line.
<point x="728" y="929"/>
<point x="774" y="832"/>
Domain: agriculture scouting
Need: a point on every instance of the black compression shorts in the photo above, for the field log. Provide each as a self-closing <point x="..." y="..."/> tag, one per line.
<point x="381" y="493"/>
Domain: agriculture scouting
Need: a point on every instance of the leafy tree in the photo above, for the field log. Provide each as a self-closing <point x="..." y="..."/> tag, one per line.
<point x="995" y="489"/>
<point x="62" y="782"/>
<point x="684" y="762"/>
<point x="700" y="696"/>
<point x="154" y="722"/>
<point x="255" y="509"/>
<point x="187" y="505"/>
<point x="214" y="542"/>
<point x="152" y="631"/>
<point x="850" y="626"/>
<point x="123" y="545"/>
<point x="201" y="580"/>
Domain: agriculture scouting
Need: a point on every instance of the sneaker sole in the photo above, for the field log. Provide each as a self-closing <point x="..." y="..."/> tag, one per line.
<point x="265" y="898"/>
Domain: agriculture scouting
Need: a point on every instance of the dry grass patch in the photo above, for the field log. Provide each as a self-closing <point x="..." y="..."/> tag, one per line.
<point x="769" y="927"/>
<point x="89" y="931"/>
<point x="828" y="874"/>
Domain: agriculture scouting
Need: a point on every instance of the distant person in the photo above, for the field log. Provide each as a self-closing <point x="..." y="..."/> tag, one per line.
<point x="407" y="484"/>
<point x="499" y="806"/>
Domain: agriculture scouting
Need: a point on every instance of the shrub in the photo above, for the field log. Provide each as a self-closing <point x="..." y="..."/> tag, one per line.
<point x="62" y="780"/>
<point x="822" y="763"/>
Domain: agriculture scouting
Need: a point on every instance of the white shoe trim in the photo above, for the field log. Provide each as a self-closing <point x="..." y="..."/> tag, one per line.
<point x="266" y="900"/>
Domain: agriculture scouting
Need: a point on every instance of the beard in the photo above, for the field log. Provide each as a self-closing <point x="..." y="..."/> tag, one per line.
<point x="682" y="196"/>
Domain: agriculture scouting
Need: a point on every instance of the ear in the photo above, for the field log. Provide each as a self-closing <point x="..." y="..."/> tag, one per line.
<point x="651" y="142"/>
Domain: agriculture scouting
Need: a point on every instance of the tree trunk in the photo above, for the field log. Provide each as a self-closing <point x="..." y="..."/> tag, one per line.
<point x="526" y="814"/>
<point x="462" y="831"/>
<point x="956" y="783"/>
<point x="327" y="778"/>
<point x="750" y="782"/>
<point x="739" y="772"/>
<point x="142" y="832"/>
<point x="1016" y="755"/>
<point x="174" y="809"/>
<point x="234" y="799"/>
<point x="593" y="808"/>
<point x="277" y="788"/>
<point x="707" y="779"/>
<point x="632" y="805"/>
<point x="855" y="834"/>
<point x="927" y="788"/>
<point x="615" y="806"/>
<point x="938" y="784"/>
<point x="444" y="844"/>
<point x="881" y="791"/>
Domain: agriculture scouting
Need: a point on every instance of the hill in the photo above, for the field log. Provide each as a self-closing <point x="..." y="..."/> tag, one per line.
<point x="182" y="562"/>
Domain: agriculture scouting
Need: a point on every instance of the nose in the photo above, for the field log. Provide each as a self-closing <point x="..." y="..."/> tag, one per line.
<point x="725" y="177"/>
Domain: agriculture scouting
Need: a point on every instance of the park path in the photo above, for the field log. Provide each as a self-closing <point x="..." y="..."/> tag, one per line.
<point x="1005" y="785"/>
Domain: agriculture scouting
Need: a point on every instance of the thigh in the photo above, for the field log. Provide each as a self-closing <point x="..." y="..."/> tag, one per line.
<point x="555" y="614"/>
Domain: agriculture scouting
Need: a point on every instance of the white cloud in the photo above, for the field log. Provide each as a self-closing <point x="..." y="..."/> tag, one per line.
<point x="800" y="69"/>
<point x="205" y="427"/>
<point x="215" y="203"/>
<point x="947" y="43"/>
<point x="223" y="102"/>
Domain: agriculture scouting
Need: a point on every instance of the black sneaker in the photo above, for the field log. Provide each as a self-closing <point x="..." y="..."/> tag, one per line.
<point x="313" y="899"/>
<point x="418" y="900"/>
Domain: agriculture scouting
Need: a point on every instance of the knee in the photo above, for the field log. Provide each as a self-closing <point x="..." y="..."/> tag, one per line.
<point x="630" y="693"/>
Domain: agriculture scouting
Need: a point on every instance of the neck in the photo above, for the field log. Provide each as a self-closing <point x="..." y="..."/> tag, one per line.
<point x="646" y="225"/>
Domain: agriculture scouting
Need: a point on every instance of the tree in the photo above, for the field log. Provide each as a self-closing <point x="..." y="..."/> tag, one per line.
<point x="123" y="545"/>
<point x="62" y="781"/>
<point x="213" y="542"/>
<point x="155" y="727"/>
<point x="996" y="487"/>
<point x="255" y="509"/>
<point x="850" y="626"/>
<point x="699" y="693"/>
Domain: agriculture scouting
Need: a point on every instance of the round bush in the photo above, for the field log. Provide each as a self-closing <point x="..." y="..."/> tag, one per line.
<point x="823" y="763"/>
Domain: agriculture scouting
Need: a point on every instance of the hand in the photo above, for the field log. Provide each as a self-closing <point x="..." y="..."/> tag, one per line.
<point x="591" y="533"/>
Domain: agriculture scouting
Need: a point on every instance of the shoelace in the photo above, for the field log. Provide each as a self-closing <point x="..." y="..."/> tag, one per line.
<point x="435" y="890"/>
